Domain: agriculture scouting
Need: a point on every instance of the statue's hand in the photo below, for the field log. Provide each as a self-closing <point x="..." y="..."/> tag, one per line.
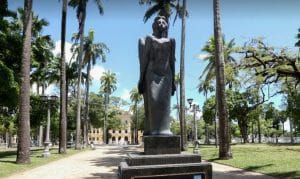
<point x="141" y="87"/>
<point x="173" y="88"/>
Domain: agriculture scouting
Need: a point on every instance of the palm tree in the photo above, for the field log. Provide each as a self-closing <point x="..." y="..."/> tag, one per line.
<point x="135" y="97"/>
<point x="182" y="84"/>
<point x="63" y="96"/>
<point x="224" y="138"/>
<point x="80" y="6"/>
<point x="92" y="51"/>
<point x="209" y="72"/>
<point x="162" y="7"/>
<point x="23" y="151"/>
<point x="108" y="86"/>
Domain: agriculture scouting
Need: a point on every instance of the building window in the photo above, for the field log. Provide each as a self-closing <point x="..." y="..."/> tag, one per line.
<point x="97" y="138"/>
<point x="126" y="131"/>
<point x="120" y="131"/>
<point x="113" y="131"/>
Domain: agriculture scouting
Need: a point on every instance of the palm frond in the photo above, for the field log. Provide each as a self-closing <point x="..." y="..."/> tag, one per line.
<point x="151" y="11"/>
<point x="100" y="7"/>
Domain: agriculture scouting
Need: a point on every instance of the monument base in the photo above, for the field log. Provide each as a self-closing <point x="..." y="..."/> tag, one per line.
<point x="160" y="144"/>
<point x="175" y="166"/>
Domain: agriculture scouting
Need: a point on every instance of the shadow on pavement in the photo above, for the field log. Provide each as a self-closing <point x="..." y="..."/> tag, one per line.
<point x="107" y="161"/>
<point x="104" y="175"/>
<point x="238" y="175"/>
<point x="253" y="168"/>
<point x="292" y="174"/>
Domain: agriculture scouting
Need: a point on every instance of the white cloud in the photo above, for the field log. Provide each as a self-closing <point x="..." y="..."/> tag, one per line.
<point x="52" y="90"/>
<point x="202" y="56"/>
<point x="96" y="72"/>
<point x="68" y="52"/>
<point x="125" y="95"/>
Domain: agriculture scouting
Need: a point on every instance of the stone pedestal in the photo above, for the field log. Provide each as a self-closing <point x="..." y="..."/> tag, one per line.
<point x="162" y="159"/>
<point x="159" y="144"/>
<point x="175" y="166"/>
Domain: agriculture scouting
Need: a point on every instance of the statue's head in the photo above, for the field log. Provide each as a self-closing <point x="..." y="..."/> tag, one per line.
<point x="160" y="27"/>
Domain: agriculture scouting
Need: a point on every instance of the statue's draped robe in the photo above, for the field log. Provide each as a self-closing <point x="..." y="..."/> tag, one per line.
<point x="157" y="59"/>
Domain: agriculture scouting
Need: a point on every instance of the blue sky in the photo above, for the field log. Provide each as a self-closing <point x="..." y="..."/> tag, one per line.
<point x="122" y="24"/>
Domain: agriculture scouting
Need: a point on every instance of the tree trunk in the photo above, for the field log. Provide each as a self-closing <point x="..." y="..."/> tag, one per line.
<point x="136" y="125"/>
<point x="224" y="138"/>
<point x="105" y="118"/>
<point x="282" y="129"/>
<point x="86" y="118"/>
<point x="291" y="131"/>
<point x="63" y="97"/>
<point x="177" y="103"/>
<point x="252" y="128"/>
<point x="182" y="84"/>
<point x="40" y="136"/>
<point x="80" y="55"/>
<point x="206" y="134"/>
<point x="243" y="129"/>
<point x="216" y="132"/>
<point x="258" y="130"/>
<point x="23" y="151"/>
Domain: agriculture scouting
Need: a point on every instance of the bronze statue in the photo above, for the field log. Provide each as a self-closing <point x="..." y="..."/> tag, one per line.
<point x="156" y="83"/>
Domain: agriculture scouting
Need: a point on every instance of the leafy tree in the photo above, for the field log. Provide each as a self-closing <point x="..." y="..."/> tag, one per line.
<point x="293" y="111"/>
<point x="97" y="111"/>
<point x="9" y="88"/>
<point x="209" y="115"/>
<point x="175" y="127"/>
<point x="273" y="65"/>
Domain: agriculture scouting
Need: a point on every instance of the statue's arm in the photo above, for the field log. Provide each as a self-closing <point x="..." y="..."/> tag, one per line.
<point x="142" y="60"/>
<point x="172" y="63"/>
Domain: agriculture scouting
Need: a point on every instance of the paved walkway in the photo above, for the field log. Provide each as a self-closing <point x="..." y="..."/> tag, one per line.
<point x="103" y="163"/>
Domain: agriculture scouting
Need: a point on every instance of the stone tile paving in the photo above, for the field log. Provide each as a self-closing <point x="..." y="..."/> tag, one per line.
<point x="103" y="163"/>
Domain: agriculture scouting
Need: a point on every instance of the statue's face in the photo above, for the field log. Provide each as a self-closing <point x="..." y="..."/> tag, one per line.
<point x="161" y="24"/>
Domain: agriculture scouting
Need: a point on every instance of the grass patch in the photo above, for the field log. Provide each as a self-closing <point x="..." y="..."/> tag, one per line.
<point x="274" y="160"/>
<point x="8" y="164"/>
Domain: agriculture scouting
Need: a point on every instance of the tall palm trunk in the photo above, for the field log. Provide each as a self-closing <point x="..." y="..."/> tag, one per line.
<point x="63" y="96"/>
<point x="224" y="149"/>
<point x="40" y="129"/>
<point x="23" y="151"/>
<point x="182" y="85"/>
<point x="258" y="130"/>
<point x="136" y="124"/>
<point x="81" y="20"/>
<point x="177" y="101"/>
<point x="106" y="100"/>
<point x="86" y="118"/>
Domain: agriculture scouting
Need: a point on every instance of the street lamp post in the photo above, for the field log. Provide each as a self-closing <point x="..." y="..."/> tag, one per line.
<point x="48" y="100"/>
<point x="195" y="109"/>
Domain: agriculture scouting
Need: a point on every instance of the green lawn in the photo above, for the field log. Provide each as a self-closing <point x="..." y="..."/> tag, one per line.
<point x="274" y="160"/>
<point x="8" y="158"/>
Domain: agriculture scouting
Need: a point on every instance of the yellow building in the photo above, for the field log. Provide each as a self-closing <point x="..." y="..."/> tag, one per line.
<point x="116" y="136"/>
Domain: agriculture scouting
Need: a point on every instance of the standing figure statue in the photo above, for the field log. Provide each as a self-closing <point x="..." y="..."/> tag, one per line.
<point x="157" y="74"/>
